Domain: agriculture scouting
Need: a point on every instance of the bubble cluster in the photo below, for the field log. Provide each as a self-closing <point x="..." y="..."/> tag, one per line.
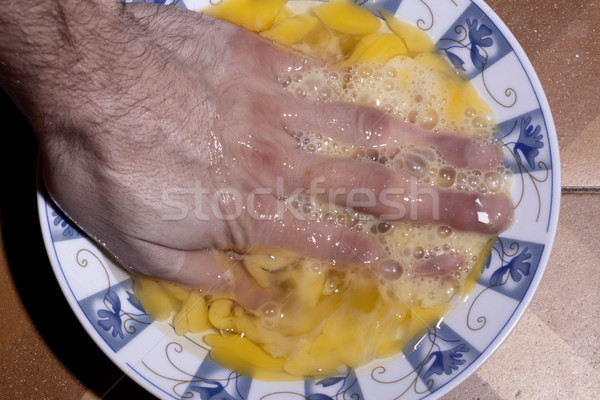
<point x="313" y="142"/>
<point x="423" y="163"/>
<point x="407" y="244"/>
<point x="422" y="101"/>
<point x="403" y="87"/>
<point x="426" y="95"/>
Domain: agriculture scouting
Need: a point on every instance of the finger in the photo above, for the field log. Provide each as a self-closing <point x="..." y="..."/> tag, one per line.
<point x="472" y="212"/>
<point x="269" y="220"/>
<point x="373" y="188"/>
<point x="335" y="243"/>
<point x="216" y="274"/>
<point x="199" y="269"/>
<point x="212" y="272"/>
<point x="444" y="264"/>
<point x="364" y="127"/>
<point x="209" y="271"/>
<point x="377" y="190"/>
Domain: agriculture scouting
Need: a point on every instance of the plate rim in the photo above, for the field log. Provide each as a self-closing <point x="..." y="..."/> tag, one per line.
<point x="510" y="324"/>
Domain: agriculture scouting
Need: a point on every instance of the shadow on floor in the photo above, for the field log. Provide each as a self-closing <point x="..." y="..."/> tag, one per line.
<point x="31" y="270"/>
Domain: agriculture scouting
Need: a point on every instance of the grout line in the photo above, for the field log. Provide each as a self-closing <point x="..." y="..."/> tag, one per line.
<point x="580" y="190"/>
<point x="575" y="379"/>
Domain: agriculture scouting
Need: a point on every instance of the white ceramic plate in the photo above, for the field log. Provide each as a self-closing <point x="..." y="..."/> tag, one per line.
<point x="171" y="366"/>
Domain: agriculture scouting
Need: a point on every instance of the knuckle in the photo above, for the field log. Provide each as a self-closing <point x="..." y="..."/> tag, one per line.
<point x="376" y="178"/>
<point x="371" y="125"/>
<point x="262" y="156"/>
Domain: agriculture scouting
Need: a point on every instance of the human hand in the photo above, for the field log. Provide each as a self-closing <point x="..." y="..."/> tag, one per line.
<point x="166" y="107"/>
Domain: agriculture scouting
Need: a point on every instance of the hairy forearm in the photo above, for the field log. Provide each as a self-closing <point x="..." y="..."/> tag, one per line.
<point x="36" y="37"/>
<point x="49" y="50"/>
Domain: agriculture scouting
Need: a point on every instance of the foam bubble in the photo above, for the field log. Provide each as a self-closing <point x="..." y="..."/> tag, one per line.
<point x="420" y="102"/>
<point x="402" y="86"/>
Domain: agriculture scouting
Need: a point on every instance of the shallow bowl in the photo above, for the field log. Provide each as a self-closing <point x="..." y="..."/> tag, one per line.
<point x="169" y="366"/>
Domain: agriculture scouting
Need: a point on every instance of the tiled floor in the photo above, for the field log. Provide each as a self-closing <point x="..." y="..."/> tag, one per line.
<point x="554" y="352"/>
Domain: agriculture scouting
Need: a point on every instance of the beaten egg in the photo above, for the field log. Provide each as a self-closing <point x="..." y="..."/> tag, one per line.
<point x="329" y="319"/>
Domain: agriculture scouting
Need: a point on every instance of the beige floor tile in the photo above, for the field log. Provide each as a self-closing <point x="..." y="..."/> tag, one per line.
<point x="562" y="40"/>
<point x="537" y="364"/>
<point x="474" y="388"/>
<point x="580" y="158"/>
<point x="568" y="300"/>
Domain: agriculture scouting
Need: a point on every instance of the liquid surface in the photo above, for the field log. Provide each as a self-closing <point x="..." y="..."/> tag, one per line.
<point x="328" y="319"/>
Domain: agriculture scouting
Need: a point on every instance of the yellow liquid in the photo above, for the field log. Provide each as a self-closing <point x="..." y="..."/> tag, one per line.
<point x="329" y="319"/>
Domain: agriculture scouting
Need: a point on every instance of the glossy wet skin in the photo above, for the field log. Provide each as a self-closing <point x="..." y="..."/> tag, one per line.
<point x="164" y="107"/>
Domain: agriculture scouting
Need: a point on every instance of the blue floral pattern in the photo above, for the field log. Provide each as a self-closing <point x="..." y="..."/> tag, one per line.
<point x="110" y="318"/>
<point x="63" y="229"/>
<point x="525" y="141"/>
<point x="328" y="382"/>
<point x="479" y="37"/>
<point x="476" y="38"/>
<point x="59" y="220"/>
<point x="524" y="138"/>
<point x="334" y="388"/>
<point x="446" y="361"/>
<point x="116" y="314"/>
<point x="438" y="357"/>
<point x="516" y="268"/>
<point x="529" y="142"/>
<point x="212" y="391"/>
<point x="210" y="381"/>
